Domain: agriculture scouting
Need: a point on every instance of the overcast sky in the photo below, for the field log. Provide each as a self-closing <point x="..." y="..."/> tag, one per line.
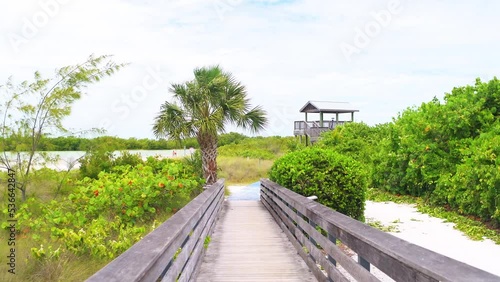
<point x="381" y="56"/>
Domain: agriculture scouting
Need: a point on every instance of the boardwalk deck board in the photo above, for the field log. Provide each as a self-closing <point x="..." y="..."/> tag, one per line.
<point x="248" y="245"/>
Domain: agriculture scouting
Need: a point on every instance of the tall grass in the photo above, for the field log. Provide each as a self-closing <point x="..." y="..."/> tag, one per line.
<point x="268" y="148"/>
<point x="250" y="159"/>
<point x="240" y="170"/>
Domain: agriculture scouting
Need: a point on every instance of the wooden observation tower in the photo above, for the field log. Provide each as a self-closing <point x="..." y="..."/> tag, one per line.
<point x="311" y="130"/>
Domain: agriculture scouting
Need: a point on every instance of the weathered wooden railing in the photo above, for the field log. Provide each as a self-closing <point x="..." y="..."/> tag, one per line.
<point x="299" y="218"/>
<point x="174" y="249"/>
<point x="313" y="129"/>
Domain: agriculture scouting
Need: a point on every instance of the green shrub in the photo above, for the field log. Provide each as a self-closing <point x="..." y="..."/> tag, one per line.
<point x="357" y="140"/>
<point x="95" y="162"/>
<point x="475" y="187"/>
<point x="127" y="158"/>
<point x="195" y="162"/>
<point x="105" y="216"/>
<point x="101" y="160"/>
<point x="337" y="180"/>
<point x="230" y="138"/>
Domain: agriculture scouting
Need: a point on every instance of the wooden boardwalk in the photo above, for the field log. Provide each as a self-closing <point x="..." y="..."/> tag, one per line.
<point x="248" y="245"/>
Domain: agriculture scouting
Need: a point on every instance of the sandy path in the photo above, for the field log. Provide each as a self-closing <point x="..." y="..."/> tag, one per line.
<point x="436" y="235"/>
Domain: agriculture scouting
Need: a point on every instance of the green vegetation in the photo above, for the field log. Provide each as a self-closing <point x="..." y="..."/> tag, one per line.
<point x="337" y="180"/>
<point x="73" y="143"/>
<point x="445" y="152"/>
<point x="206" y="242"/>
<point x="203" y="107"/>
<point x="238" y="170"/>
<point x="380" y="226"/>
<point x="264" y="148"/>
<point x="99" y="161"/>
<point x="247" y="160"/>
<point x="35" y="108"/>
<point x="358" y="141"/>
<point x="94" y="220"/>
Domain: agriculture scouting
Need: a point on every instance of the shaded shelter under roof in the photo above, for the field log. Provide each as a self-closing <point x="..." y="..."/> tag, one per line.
<point x="312" y="129"/>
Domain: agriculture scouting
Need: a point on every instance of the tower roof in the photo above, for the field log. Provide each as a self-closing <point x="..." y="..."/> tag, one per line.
<point x="327" y="107"/>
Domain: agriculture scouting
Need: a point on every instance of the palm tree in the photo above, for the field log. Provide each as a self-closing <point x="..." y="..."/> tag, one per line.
<point x="205" y="106"/>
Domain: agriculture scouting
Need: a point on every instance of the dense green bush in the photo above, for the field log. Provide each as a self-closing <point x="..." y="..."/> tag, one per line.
<point x="95" y="162"/>
<point x="337" y="180"/>
<point x="101" y="160"/>
<point x="475" y="187"/>
<point x="105" y="216"/>
<point x="195" y="162"/>
<point x="230" y="138"/>
<point x="357" y="140"/>
<point x="353" y="139"/>
<point x="127" y="158"/>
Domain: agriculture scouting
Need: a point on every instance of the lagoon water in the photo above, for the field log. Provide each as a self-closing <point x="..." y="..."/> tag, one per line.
<point x="65" y="159"/>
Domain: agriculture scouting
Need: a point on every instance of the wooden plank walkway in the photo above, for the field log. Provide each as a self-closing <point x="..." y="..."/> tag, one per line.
<point x="248" y="245"/>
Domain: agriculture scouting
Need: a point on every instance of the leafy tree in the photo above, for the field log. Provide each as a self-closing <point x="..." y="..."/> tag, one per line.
<point x="202" y="109"/>
<point x="34" y="108"/>
<point x="231" y="138"/>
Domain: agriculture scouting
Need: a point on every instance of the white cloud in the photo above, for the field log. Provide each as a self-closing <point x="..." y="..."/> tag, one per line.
<point x="285" y="52"/>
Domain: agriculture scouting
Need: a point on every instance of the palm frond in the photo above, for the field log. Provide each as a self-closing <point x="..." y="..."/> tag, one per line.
<point x="172" y="122"/>
<point x="255" y="120"/>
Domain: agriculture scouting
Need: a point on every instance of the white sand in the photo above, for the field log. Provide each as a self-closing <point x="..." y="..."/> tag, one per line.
<point x="436" y="235"/>
<point x="235" y="188"/>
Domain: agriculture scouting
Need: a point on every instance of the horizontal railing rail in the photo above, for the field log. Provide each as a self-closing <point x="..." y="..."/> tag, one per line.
<point x="316" y="131"/>
<point x="173" y="251"/>
<point x="299" y="125"/>
<point x="300" y="217"/>
<point x="330" y="124"/>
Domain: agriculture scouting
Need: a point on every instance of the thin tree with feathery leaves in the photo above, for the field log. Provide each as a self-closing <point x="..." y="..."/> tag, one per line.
<point x="202" y="108"/>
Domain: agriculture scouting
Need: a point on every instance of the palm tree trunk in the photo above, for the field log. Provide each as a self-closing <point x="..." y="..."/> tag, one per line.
<point x="208" y="148"/>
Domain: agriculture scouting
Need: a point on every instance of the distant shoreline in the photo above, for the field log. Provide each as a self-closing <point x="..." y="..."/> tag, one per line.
<point x="67" y="158"/>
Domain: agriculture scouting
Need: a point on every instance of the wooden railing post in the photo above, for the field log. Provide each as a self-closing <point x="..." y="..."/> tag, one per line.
<point x="334" y="241"/>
